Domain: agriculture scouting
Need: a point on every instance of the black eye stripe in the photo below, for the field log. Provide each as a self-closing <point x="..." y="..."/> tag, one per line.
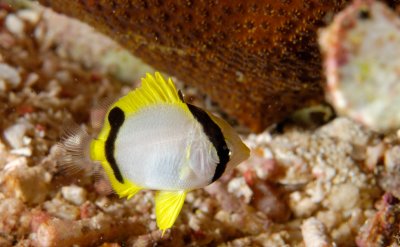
<point x="214" y="134"/>
<point x="116" y="118"/>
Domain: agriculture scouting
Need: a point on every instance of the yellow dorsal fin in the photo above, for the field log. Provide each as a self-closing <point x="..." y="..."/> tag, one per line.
<point x="154" y="90"/>
<point x="168" y="207"/>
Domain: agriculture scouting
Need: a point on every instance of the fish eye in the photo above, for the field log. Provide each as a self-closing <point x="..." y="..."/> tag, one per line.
<point x="116" y="117"/>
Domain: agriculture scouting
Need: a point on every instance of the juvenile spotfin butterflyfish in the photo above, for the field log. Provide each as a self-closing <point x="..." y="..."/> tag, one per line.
<point x="152" y="139"/>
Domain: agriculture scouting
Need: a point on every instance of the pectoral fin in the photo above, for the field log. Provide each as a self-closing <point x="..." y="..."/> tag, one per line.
<point x="168" y="207"/>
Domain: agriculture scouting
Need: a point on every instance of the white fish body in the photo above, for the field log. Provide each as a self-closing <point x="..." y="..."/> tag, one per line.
<point x="164" y="148"/>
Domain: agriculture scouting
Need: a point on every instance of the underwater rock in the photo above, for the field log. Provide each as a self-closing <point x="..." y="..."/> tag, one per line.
<point x="62" y="210"/>
<point x="15" y="25"/>
<point x="258" y="59"/>
<point x="13" y="217"/>
<point x="58" y="232"/>
<point x="29" y="184"/>
<point x="383" y="228"/>
<point x="74" y="194"/>
<point x="9" y="77"/>
<point x="362" y="63"/>
<point x="314" y="233"/>
<point x="389" y="178"/>
<point x="15" y="134"/>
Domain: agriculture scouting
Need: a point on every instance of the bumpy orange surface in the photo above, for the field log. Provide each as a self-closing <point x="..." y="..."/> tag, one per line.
<point x="258" y="59"/>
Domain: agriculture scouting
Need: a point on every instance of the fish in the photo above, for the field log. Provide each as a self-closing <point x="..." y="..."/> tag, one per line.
<point x="151" y="139"/>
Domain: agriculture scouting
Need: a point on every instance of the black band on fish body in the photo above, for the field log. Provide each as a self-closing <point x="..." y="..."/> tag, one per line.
<point x="214" y="134"/>
<point x="116" y="118"/>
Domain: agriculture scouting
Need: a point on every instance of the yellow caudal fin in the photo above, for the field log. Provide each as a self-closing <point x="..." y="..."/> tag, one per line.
<point x="168" y="207"/>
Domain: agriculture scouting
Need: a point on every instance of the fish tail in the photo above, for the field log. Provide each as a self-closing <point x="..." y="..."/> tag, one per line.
<point x="75" y="150"/>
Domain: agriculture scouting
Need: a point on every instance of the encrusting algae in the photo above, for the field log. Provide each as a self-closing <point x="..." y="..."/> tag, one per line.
<point x="258" y="59"/>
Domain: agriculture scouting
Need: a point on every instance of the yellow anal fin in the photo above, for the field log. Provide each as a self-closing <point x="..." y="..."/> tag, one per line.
<point x="168" y="207"/>
<point x="126" y="189"/>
